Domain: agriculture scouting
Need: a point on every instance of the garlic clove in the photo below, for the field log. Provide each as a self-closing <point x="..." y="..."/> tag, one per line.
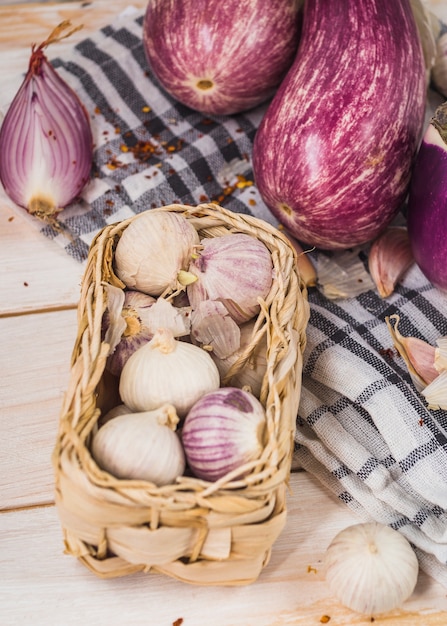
<point x="214" y="329"/>
<point x="371" y="568"/>
<point x="306" y="268"/>
<point x="436" y="392"/>
<point x="418" y="355"/>
<point x="441" y="354"/>
<point x="389" y="258"/>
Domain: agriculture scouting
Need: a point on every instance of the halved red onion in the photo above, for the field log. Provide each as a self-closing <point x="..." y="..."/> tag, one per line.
<point x="45" y="140"/>
<point x="222" y="432"/>
<point x="235" y="269"/>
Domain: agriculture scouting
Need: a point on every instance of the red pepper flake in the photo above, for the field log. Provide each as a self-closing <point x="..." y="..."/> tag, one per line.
<point x="117" y="130"/>
<point x="178" y="622"/>
<point x="146" y="109"/>
<point x="324" y="619"/>
<point x="25" y="284"/>
<point x="97" y="110"/>
<point x="311" y="569"/>
<point x="387" y="352"/>
<point x="110" y="202"/>
<point x="252" y="202"/>
<point x="206" y="121"/>
<point x="421" y="422"/>
<point x="10" y="219"/>
<point x="203" y="198"/>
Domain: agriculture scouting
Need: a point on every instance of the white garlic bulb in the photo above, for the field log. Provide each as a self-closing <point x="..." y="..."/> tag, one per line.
<point x="166" y="370"/>
<point x="141" y="446"/>
<point x="154" y="251"/>
<point x="371" y="568"/>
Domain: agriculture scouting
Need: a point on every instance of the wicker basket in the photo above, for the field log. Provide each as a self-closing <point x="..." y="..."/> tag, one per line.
<point x="199" y="532"/>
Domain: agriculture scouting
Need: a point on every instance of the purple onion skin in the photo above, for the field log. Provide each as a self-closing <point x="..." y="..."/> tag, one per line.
<point x="427" y="208"/>
<point x="332" y="157"/>
<point x="212" y="436"/>
<point x="45" y="111"/>
<point x="243" y="47"/>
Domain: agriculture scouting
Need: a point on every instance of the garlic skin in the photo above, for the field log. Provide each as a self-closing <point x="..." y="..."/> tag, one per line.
<point x="236" y="269"/>
<point x="389" y="258"/>
<point x="214" y="329"/>
<point x="371" y="568"/>
<point x="154" y="251"/>
<point x="167" y="371"/>
<point x="141" y="446"/>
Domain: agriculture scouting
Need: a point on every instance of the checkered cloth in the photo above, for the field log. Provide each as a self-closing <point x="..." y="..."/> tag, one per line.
<point x="362" y="428"/>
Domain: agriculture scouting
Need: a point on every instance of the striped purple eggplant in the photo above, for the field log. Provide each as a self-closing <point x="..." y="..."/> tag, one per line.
<point x="332" y="157"/>
<point x="427" y="202"/>
<point x="221" y="56"/>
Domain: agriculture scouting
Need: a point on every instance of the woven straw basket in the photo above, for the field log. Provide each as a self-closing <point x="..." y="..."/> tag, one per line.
<point x="199" y="532"/>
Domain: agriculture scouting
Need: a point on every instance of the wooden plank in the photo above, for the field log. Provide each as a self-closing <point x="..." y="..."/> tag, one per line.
<point x="36" y="272"/>
<point x="34" y="368"/>
<point x="42" y="586"/>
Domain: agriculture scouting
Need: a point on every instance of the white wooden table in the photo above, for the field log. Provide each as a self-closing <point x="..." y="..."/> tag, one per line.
<point x="39" y="585"/>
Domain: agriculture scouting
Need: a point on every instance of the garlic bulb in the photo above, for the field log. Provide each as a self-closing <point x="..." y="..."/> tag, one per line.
<point x="167" y="371"/>
<point x="154" y="251"/>
<point x="371" y="568"/>
<point x="141" y="446"/>
<point x="222" y="432"/>
<point x="235" y="269"/>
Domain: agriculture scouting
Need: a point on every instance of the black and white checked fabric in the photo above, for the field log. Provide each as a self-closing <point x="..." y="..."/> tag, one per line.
<point x="362" y="428"/>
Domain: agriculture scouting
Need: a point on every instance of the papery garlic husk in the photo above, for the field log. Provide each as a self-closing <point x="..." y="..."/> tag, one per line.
<point x="166" y="370"/>
<point x="389" y="258"/>
<point x="418" y="355"/>
<point x="46" y="141"/>
<point x="154" y="252"/>
<point x="371" y="568"/>
<point x="214" y="329"/>
<point x="428" y="26"/>
<point x="126" y="328"/>
<point x="246" y="367"/>
<point x="342" y="275"/>
<point x="235" y="269"/>
<point x="141" y="315"/>
<point x="436" y="392"/>
<point x="439" y="69"/>
<point x="141" y="446"/>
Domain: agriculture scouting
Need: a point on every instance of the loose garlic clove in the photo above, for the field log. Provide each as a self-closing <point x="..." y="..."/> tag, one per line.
<point x="436" y="392"/>
<point x="141" y="446"/>
<point x="305" y="267"/>
<point x="371" y="568"/>
<point x="165" y="370"/>
<point x="389" y="258"/>
<point x="441" y="354"/>
<point x="418" y="355"/>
